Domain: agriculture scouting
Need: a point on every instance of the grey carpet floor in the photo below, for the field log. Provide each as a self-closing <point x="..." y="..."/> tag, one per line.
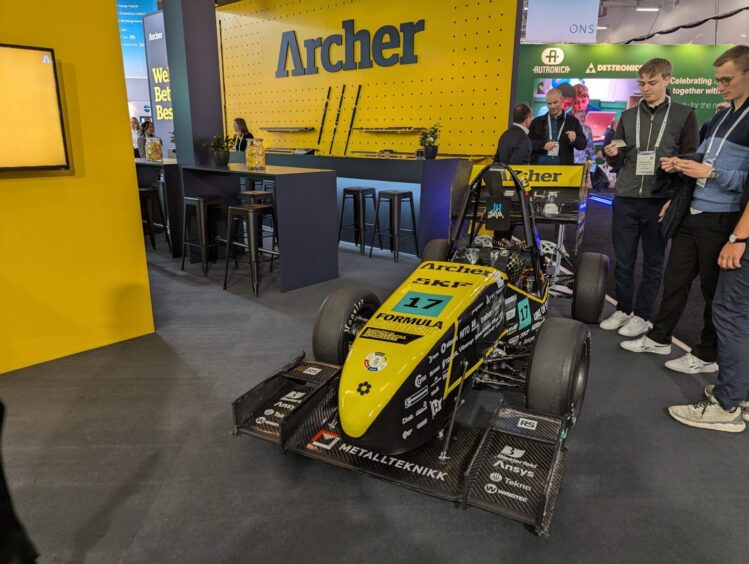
<point x="124" y="454"/>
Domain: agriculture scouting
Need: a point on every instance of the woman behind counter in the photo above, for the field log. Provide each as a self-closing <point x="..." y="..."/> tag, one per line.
<point x="146" y="130"/>
<point x="135" y="132"/>
<point x="241" y="134"/>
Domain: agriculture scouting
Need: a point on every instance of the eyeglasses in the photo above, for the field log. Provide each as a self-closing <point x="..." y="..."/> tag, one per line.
<point x="726" y="80"/>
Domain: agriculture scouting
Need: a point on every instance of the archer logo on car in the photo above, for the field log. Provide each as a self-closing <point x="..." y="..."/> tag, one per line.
<point x="441" y="283"/>
<point x="325" y="440"/>
<point x="529" y="424"/>
<point x="375" y="361"/>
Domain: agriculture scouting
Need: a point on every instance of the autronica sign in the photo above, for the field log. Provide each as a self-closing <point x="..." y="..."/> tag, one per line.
<point x="388" y="46"/>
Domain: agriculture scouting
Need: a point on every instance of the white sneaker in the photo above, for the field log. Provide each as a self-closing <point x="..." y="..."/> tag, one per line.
<point x="708" y="414"/>
<point x="618" y="319"/>
<point x="645" y="344"/>
<point x="634" y="327"/>
<point x="744" y="405"/>
<point x="690" y="364"/>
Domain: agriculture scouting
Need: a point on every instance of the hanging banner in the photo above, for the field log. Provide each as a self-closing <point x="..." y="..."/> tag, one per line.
<point x="158" y="79"/>
<point x="549" y="21"/>
<point x="609" y="75"/>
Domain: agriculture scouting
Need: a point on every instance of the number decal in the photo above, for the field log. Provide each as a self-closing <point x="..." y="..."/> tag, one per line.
<point x="418" y="303"/>
<point x="524" y="313"/>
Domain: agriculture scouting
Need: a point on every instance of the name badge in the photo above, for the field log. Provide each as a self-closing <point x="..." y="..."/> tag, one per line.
<point x="554" y="152"/>
<point x="702" y="181"/>
<point x="645" y="163"/>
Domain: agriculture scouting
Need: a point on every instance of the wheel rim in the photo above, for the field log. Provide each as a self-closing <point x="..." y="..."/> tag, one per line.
<point x="348" y="334"/>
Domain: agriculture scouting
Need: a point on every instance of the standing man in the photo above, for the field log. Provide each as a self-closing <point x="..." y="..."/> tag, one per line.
<point x="656" y="127"/>
<point x="720" y="179"/>
<point x="713" y="213"/>
<point x="555" y="135"/>
<point x="514" y="145"/>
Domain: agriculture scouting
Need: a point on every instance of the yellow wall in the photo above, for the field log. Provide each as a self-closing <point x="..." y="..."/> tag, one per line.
<point x="462" y="78"/>
<point x="72" y="260"/>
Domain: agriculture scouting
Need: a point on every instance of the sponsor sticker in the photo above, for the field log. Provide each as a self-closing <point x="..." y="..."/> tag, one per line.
<point x="388" y="336"/>
<point x="295" y="397"/>
<point x="312" y="371"/>
<point x="524" y="313"/>
<point x="513" y="452"/>
<point x="529" y="424"/>
<point x="415" y="398"/>
<point x="375" y="361"/>
<point x="325" y="440"/>
<point x="419" y="303"/>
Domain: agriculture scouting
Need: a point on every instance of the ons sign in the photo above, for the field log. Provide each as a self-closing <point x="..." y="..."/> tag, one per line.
<point x="388" y="46"/>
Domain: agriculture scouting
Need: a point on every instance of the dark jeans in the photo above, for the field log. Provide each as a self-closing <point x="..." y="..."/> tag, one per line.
<point x="13" y="540"/>
<point x="635" y="220"/>
<point x="694" y="250"/>
<point x="731" y="319"/>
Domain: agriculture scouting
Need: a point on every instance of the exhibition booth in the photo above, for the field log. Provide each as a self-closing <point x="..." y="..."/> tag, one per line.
<point x="307" y="240"/>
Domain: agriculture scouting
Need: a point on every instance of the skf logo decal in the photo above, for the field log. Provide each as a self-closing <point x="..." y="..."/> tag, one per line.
<point x="375" y="361"/>
<point x="325" y="440"/>
<point x="441" y="283"/>
<point x="380" y="49"/>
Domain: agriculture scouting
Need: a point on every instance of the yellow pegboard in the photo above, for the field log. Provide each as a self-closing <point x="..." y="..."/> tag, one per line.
<point x="462" y="78"/>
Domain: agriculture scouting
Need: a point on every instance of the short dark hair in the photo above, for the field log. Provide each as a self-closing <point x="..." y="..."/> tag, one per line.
<point x="567" y="90"/>
<point x="739" y="55"/>
<point x="241" y="125"/>
<point x="656" y="67"/>
<point x="521" y="112"/>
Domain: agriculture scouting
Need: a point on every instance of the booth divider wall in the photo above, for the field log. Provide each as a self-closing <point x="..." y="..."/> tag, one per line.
<point x="73" y="273"/>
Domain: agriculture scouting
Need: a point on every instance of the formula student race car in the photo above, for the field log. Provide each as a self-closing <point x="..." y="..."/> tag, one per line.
<point x="388" y="380"/>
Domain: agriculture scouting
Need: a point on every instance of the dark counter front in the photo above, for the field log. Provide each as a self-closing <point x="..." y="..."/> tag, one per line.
<point x="306" y="212"/>
<point x="437" y="184"/>
<point x="166" y="171"/>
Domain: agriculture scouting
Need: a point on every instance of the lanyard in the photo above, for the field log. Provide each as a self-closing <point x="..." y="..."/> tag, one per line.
<point x="559" y="133"/>
<point x="663" y="127"/>
<point x="714" y="157"/>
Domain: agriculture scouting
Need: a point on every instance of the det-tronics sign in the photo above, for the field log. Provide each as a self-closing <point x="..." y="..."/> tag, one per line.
<point x="388" y="46"/>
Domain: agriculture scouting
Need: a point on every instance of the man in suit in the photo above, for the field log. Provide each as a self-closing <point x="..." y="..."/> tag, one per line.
<point x="556" y="135"/>
<point x="514" y="145"/>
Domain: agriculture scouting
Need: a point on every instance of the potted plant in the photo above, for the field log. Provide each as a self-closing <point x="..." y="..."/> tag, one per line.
<point x="220" y="145"/>
<point x="428" y="140"/>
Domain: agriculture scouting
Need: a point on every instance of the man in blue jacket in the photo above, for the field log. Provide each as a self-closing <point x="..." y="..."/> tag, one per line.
<point x="721" y="188"/>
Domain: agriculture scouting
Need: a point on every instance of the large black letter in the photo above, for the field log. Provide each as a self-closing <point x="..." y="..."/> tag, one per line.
<point x="311" y="45"/>
<point x="379" y="45"/>
<point x="409" y="30"/>
<point x="362" y="37"/>
<point x="325" y="53"/>
<point x="288" y="43"/>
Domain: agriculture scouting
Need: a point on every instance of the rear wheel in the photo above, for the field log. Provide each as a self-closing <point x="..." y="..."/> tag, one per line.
<point x="436" y="249"/>
<point x="558" y="368"/>
<point x="341" y="316"/>
<point x="589" y="292"/>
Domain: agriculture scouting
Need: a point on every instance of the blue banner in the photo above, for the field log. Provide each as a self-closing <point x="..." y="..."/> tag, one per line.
<point x="130" y="17"/>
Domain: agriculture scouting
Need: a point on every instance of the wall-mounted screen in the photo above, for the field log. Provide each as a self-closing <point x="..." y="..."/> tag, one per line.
<point x="30" y="110"/>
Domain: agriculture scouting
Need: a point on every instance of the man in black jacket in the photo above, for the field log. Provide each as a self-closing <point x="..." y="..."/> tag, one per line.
<point x="555" y="135"/>
<point x="655" y="128"/>
<point x="514" y="145"/>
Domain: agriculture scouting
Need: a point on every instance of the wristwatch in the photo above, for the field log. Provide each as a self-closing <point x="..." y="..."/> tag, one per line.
<point x="733" y="239"/>
<point x="713" y="174"/>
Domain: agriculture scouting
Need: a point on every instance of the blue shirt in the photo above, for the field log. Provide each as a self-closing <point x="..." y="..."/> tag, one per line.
<point x="723" y="194"/>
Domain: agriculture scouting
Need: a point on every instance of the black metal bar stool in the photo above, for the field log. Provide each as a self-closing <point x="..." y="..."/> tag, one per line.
<point x="252" y="215"/>
<point x="395" y="198"/>
<point x="202" y="205"/>
<point x="148" y="195"/>
<point x="359" y="195"/>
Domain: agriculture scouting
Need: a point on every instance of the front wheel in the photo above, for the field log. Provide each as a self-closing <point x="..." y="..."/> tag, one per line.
<point x="558" y="368"/>
<point x="436" y="249"/>
<point x="341" y="316"/>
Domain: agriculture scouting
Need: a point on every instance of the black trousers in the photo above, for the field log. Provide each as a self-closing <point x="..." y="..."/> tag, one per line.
<point x="731" y="316"/>
<point x="635" y="221"/>
<point x="15" y="546"/>
<point x="694" y="251"/>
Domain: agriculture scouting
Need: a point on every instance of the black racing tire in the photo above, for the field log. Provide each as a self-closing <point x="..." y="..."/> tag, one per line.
<point x="558" y="368"/>
<point x="336" y="322"/>
<point x="589" y="292"/>
<point x="436" y="249"/>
